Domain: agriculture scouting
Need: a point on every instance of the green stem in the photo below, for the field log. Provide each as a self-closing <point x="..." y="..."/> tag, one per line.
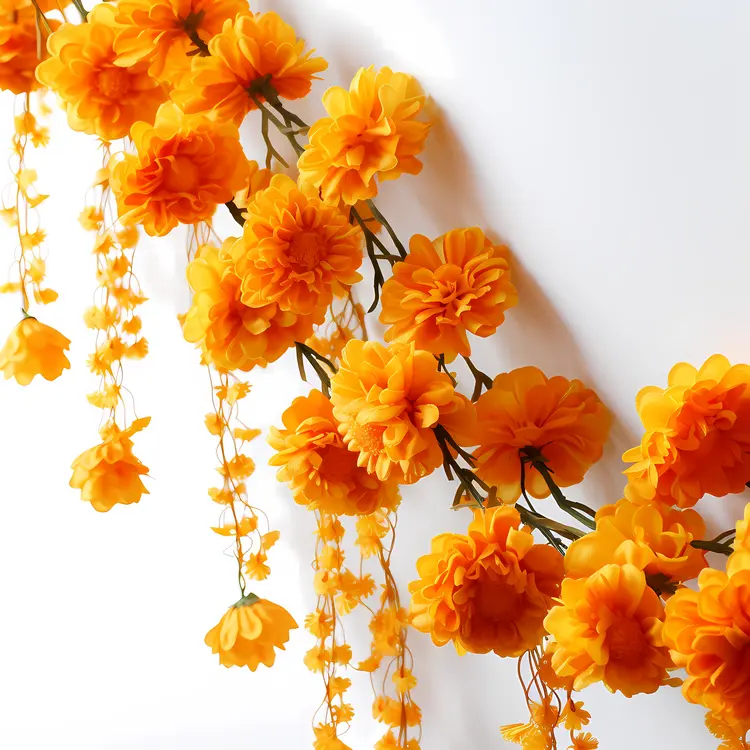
<point x="81" y="10"/>
<point x="481" y="379"/>
<point x="394" y="237"/>
<point x="236" y="212"/>
<point x="710" y="546"/>
<point x="41" y="17"/>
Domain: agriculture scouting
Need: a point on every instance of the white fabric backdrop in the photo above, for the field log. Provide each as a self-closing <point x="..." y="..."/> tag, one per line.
<point x="607" y="143"/>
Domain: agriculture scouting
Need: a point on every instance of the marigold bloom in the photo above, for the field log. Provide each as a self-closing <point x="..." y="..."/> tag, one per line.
<point x="257" y="54"/>
<point x="489" y="589"/>
<point x="295" y="251"/>
<point x="232" y="335"/>
<point x="109" y="473"/>
<point x="654" y="538"/>
<point x="561" y="418"/>
<point x="157" y="32"/>
<point x="708" y="632"/>
<point x="19" y="49"/>
<point x="322" y="473"/>
<point x="371" y="131"/>
<point x="459" y="283"/>
<point x="34" y="349"/>
<point x="388" y="400"/>
<point x="608" y="628"/>
<point x="249" y="631"/>
<point x="98" y="97"/>
<point x="697" y="439"/>
<point x="184" y="167"/>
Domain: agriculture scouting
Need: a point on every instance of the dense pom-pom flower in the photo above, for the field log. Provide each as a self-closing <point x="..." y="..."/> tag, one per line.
<point x="258" y="54"/>
<point x="489" y="589"/>
<point x="561" y="418"/>
<point x="232" y="335"/>
<point x="708" y="632"/>
<point x="19" y="49"/>
<point x="697" y="439"/>
<point x="295" y="251"/>
<point x="459" y="283"/>
<point x="652" y="537"/>
<point x="99" y="97"/>
<point x="371" y="131"/>
<point x="249" y="631"/>
<point x="608" y="628"/>
<point x="388" y="400"/>
<point x="322" y="473"/>
<point x="32" y="349"/>
<point x="109" y="473"/>
<point x="184" y="167"/>
<point x="166" y="33"/>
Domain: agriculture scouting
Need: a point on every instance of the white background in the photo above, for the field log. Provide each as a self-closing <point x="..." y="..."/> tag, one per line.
<point x="608" y="143"/>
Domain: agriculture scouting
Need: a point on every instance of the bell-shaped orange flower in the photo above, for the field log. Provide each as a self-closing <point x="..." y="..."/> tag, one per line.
<point x="32" y="349"/>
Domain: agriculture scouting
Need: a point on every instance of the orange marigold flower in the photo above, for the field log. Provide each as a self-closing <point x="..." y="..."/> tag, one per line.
<point x="99" y="97"/>
<point x="232" y="335"/>
<point x="322" y="473"/>
<point x="249" y="631"/>
<point x="184" y="167"/>
<point x="388" y="400"/>
<point x="295" y="250"/>
<point x="459" y="283"/>
<point x="608" y="628"/>
<point x="256" y="55"/>
<point x="561" y="418"/>
<point x="489" y="589"/>
<point x="697" y="439"/>
<point x="654" y="538"/>
<point x="371" y="131"/>
<point x="584" y="741"/>
<point x="34" y="349"/>
<point x="159" y="32"/>
<point x="110" y="473"/>
<point x="256" y="179"/>
<point x="19" y="49"/>
<point x="708" y="632"/>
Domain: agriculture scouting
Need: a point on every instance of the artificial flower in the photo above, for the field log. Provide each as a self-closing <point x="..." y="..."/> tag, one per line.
<point x="249" y="631"/>
<point x="458" y="284"/>
<point x="372" y="131"/>
<point x="166" y="34"/>
<point x="388" y="401"/>
<point x="20" y="49"/>
<point x="110" y="473"/>
<point x="232" y="335"/>
<point x="253" y="56"/>
<point x="184" y="166"/>
<point x="607" y="629"/>
<point x="697" y="439"/>
<point x="32" y="349"/>
<point x="489" y="589"/>
<point x="99" y="97"/>
<point x="654" y="538"/>
<point x="574" y="716"/>
<point x="584" y="741"/>
<point x="295" y="251"/>
<point x="322" y="473"/>
<point x="560" y="419"/>
<point x="256" y="179"/>
<point x="740" y="558"/>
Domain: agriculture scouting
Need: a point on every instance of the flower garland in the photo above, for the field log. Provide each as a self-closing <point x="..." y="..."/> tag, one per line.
<point x="599" y="597"/>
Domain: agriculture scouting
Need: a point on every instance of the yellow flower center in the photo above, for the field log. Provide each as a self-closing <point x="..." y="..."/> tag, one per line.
<point x="113" y="82"/>
<point x="369" y="437"/>
<point x="626" y="642"/>
<point x="305" y="250"/>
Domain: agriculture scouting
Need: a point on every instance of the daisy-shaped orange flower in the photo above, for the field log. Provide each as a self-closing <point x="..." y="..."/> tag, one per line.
<point x="372" y="131"/>
<point x="99" y="97"/>
<point x="697" y="439"/>
<point x="253" y="56"/>
<point x="607" y="629"/>
<point x="184" y="166"/>
<point x="165" y="34"/>
<point x="232" y="335"/>
<point x="562" y="419"/>
<point x="489" y="589"/>
<point x="20" y="49"/>
<point x="653" y="537"/>
<point x="248" y="633"/>
<point x="388" y="400"/>
<point x="295" y="251"/>
<point x="458" y="284"/>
